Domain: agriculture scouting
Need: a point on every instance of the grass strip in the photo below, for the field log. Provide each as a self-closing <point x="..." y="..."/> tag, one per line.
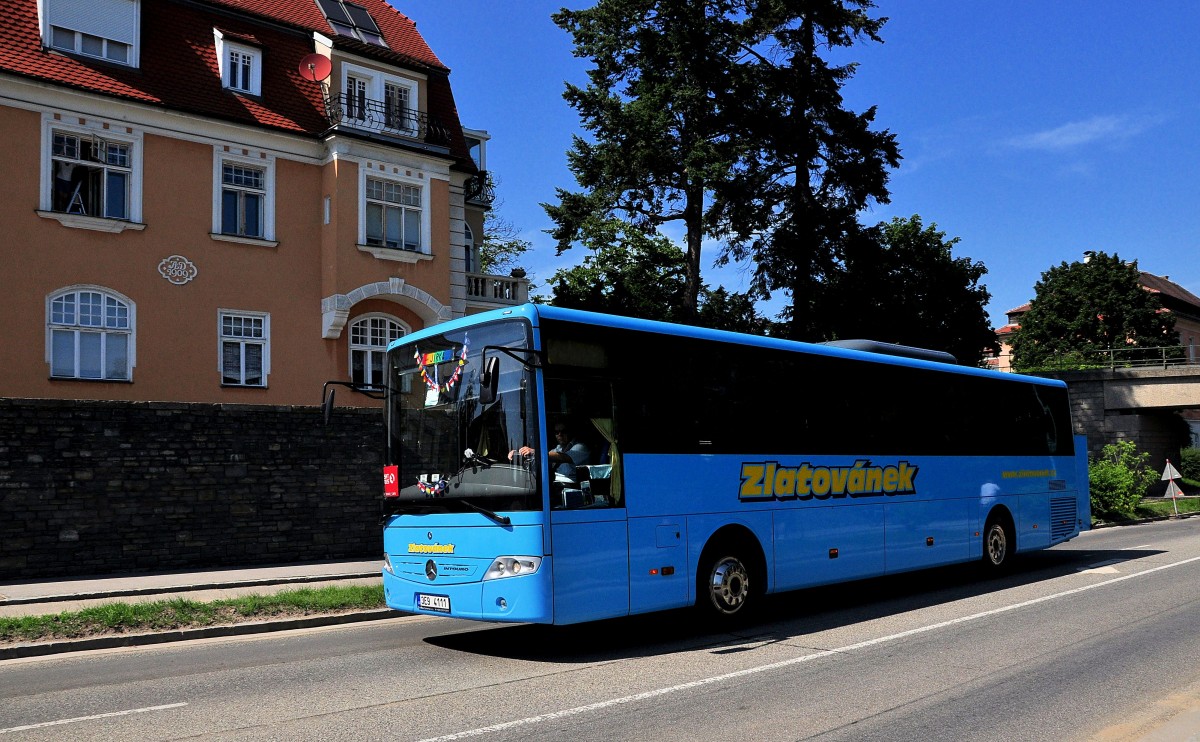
<point x="181" y="613"/>
<point x="1160" y="507"/>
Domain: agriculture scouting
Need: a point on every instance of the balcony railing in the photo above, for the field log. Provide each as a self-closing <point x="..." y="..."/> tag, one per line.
<point x="376" y="116"/>
<point x="480" y="189"/>
<point x="506" y="290"/>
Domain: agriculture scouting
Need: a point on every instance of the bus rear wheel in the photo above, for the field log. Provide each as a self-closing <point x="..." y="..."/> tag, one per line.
<point x="725" y="588"/>
<point x="997" y="545"/>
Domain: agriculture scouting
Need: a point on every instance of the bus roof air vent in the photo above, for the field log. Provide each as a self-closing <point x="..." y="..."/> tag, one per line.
<point x="891" y="349"/>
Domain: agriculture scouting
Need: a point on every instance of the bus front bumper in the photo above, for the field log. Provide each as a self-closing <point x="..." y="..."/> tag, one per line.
<point x="523" y="599"/>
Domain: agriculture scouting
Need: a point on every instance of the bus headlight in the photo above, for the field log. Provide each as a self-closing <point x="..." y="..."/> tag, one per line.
<point x="387" y="564"/>
<point x="511" y="566"/>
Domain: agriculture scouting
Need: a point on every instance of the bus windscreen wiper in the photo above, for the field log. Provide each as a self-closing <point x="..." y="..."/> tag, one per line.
<point x="503" y="520"/>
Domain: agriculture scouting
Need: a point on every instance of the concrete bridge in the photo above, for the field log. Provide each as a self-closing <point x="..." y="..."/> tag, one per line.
<point x="1138" y="404"/>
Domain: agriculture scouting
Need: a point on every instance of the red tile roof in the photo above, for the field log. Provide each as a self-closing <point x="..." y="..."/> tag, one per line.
<point x="1165" y="287"/>
<point x="399" y="31"/>
<point x="178" y="65"/>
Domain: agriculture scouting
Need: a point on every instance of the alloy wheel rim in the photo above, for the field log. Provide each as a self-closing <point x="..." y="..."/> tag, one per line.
<point x="729" y="585"/>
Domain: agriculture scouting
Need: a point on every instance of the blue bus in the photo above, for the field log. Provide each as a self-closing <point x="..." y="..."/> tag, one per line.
<point x="706" y="468"/>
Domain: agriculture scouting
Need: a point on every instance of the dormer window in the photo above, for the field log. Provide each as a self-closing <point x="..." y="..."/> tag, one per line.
<point x="354" y="21"/>
<point x="103" y="29"/>
<point x="240" y="65"/>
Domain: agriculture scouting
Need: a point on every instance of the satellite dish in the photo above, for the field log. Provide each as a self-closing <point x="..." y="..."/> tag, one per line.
<point x="315" y="67"/>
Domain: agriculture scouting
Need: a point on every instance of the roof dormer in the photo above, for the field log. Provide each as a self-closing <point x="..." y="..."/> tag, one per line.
<point x="102" y="29"/>
<point x="240" y="61"/>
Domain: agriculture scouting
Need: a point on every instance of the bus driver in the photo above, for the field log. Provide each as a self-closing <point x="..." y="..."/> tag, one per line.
<point x="565" y="457"/>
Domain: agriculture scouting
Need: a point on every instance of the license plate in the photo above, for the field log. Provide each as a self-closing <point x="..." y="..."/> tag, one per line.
<point x="439" y="603"/>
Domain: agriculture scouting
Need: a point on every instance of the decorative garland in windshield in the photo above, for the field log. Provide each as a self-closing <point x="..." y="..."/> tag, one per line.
<point x="433" y="490"/>
<point x="432" y="359"/>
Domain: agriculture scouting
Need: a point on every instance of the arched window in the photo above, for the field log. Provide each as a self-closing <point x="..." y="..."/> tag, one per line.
<point x="90" y="333"/>
<point x="369" y="338"/>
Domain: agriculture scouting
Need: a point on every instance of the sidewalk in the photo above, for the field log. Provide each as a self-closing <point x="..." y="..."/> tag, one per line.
<point x="35" y="598"/>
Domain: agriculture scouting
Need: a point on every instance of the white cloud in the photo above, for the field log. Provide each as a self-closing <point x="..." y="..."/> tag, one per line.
<point x="1096" y="130"/>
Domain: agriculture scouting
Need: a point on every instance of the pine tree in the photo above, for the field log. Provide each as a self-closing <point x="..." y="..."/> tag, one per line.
<point x="659" y="134"/>
<point x="812" y="165"/>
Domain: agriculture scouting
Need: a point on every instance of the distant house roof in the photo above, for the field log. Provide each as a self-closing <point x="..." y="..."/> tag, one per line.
<point x="1173" y="295"/>
<point x="178" y="66"/>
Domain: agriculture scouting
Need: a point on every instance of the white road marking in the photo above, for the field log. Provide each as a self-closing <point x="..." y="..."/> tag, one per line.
<point x="793" y="661"/>
<point x="91" y="718"/>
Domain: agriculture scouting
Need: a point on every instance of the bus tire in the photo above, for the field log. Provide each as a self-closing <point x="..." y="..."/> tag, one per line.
<point x="999" y="546"/>
<point x="726" y="583"/>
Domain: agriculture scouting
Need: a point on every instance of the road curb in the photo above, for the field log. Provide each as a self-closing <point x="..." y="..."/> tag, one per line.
<point x="135" y="592"/>
<point x="41" y="649"/>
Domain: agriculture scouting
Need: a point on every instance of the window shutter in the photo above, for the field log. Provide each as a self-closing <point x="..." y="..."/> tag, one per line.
<point x="113" y="19"/>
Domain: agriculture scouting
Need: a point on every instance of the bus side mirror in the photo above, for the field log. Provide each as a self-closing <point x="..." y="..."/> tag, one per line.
<point x="327" y="405"/>
<point x="489" y="380"/>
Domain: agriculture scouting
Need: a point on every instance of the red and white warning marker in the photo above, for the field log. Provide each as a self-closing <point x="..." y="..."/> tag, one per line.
<point x="1170" y="474"/>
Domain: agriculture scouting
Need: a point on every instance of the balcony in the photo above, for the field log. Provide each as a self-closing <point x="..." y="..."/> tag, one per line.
<point x="480" y="189"/>
<point x="489" y="292"/>
<point x="376" y="117"/>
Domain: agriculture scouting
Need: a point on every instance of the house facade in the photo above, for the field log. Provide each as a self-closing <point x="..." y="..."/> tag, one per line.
<point x="228" y="201"/>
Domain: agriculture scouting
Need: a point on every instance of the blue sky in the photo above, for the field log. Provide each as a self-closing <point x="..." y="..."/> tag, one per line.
<point x="1031" y="130"/>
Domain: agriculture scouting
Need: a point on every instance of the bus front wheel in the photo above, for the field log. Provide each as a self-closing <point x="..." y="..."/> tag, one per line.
<point x="998" y="544"/>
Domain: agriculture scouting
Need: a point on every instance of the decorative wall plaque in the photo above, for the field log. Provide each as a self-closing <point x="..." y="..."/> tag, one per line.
<point x="177" y="269"/>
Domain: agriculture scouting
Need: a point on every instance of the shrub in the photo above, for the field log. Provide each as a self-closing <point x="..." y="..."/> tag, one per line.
<point x="1189" y="463"/>
<point x="1119" y="478"/>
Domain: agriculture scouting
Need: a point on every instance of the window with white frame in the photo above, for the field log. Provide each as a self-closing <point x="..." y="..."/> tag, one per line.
<point x="243" y="206"/>
<point x="91" y="175"/>
<point x="104" y="29"/>
<point x="393" y="214"/>
<point x="240" y="65"/>
<point x="398" y="108"/>
<point x="369" y="339"/>
<point x="243" y="200"/>
<point x="378" y="101"/>
<point x="357" y="100"/>
<point x="245" y="348"/>
<point x="90" y="335"/>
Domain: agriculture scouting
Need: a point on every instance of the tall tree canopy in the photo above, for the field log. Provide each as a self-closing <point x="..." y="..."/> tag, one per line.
<point x="1090" y="305"/>
<point x="810" y="165"/>
<point x="900" y="283"/>
<point x="721" y="114"/>
<point x="656" y="108"/>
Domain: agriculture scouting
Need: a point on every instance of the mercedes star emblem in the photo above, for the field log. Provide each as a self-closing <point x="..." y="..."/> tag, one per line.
<point x="431" y="570"/>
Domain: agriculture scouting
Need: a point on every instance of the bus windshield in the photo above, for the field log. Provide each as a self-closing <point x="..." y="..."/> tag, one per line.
<point x="451" y="449"/>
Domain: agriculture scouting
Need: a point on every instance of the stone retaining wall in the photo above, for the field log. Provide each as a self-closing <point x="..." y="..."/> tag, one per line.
<point x="91" y="488"/>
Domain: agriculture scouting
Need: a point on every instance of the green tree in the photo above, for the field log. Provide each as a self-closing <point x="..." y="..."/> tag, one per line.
<point x="502" y="246"/>
<point x="632" y="274"/>
<point x="810" y="166"/>
<point x="1087" y="306"/>
<point x="655" y="108"/>
<point x="902" y="284"/>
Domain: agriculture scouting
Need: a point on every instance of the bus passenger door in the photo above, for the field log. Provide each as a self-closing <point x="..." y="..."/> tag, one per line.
<point x="591" y="564"/>
<point x="588" y="520"/>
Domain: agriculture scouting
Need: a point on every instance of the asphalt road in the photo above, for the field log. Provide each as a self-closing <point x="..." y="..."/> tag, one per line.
<point x="1095" y="639"/>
